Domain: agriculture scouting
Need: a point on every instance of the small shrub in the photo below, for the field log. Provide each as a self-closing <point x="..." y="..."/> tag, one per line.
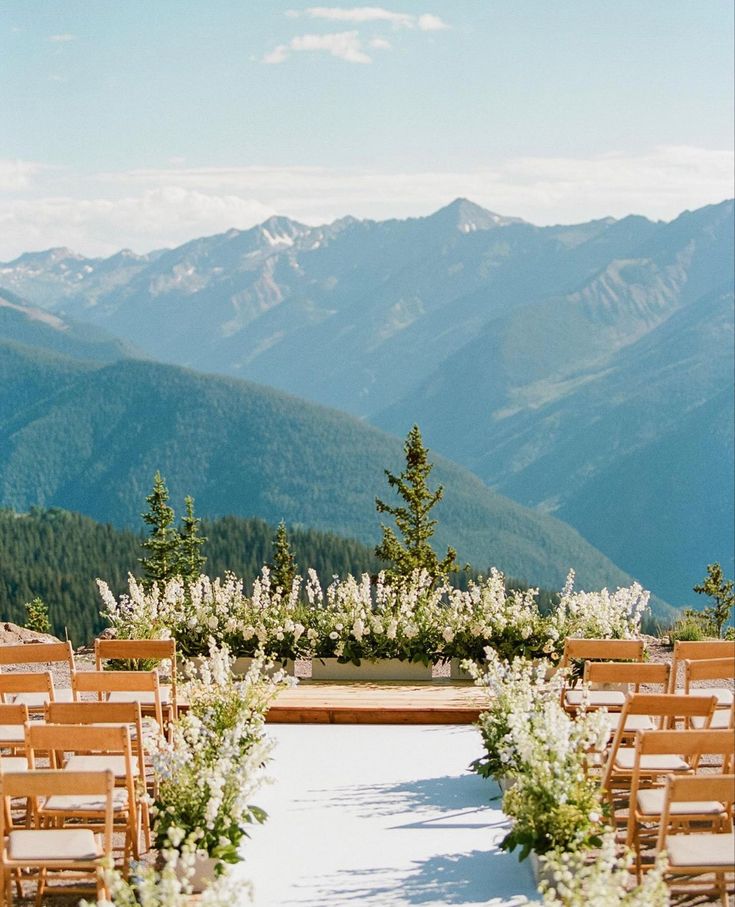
<point x="37" y="616"/>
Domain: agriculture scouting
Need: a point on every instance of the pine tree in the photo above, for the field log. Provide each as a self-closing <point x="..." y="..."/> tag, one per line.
<point x="190" y="559"/>
<point x="162" y="544"/>
<point x="283" y="568"/>
<point x="718" y="588"/>
<point x="412" y="520"/>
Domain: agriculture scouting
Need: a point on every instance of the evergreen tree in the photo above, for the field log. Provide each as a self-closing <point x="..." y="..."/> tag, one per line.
<point x="413" y="552"/>
<point x="283" y="568"/>
<point x="162" y="543"/>
<point x="190" y="559"/>
<point x="718" y="588"/>
<point x="37" y="616"/>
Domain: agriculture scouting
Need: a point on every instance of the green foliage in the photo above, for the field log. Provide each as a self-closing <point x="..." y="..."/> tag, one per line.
<point x="414" y="552"/>
<point x="692" y="626"/>
<point x="283" y="568"/>
<point x="162" y="544"/>
<point x="720" y="590"/>
<point x="37" y="616"/>
<point x="190" y="563"/>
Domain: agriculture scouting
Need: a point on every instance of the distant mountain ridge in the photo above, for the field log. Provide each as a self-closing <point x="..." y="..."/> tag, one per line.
<point x="520" y="350"/>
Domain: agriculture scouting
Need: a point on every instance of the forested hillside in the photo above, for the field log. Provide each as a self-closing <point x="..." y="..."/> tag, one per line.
<point x="57" y="556"/>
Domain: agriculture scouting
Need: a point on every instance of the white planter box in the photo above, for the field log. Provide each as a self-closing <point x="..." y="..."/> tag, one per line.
<point x="203" y="874"/>
<point x="458" y="673"/>
<point x="383" y="669"/>
<point x="242" y="665"/>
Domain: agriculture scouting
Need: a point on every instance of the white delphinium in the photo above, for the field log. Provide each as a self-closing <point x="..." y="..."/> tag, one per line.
<point x="576" y="879"/>
<point x="600" y="614"/>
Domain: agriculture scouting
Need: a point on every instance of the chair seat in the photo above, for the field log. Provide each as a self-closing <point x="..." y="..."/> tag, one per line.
<point x="651" y="803"/>
<point x="12" y="733"/>
<point x="62" y="844"/>
<point x="116" y="764"/>
<point x="38" y="700"/>
<point x="724" y="694"/>
<point x="625" y="759"/>
<point x="13" y="764"/>
<point x="701" y="850"/>
<point x="86" y="803"/>
<point x="721" y="719"/>
<point x="595" y="698"/>
<point x="632" y="722"/>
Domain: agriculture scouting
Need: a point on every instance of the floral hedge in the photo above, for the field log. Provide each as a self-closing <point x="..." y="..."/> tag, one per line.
<point x="354" y="619"/>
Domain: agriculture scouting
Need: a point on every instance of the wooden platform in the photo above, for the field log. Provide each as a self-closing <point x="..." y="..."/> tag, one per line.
<point x="360" y="702"/>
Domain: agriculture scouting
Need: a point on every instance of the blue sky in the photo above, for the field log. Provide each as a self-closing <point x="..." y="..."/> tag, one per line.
<point x="146" y="123"/>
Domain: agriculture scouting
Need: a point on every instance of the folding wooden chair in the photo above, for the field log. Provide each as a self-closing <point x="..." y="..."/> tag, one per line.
<point x="77" y="852"/>
<point x="698" y="651"/>
<point x="30" y="688"/>
<point x="103" y="714"/>
<point x="143" y="651"/>
<point x="665" y="709"/>
<point x="124" y="686"/>
<point x="579" y="649"/>
<point x="647" y="801"/>
<point x="611" y="681"/>
<point x="13" y="719"/>
<point x="697" y="853"/>
<point x="59" y="739"/>
<point x="708" y="669"/>
<point x="40" y="653"/>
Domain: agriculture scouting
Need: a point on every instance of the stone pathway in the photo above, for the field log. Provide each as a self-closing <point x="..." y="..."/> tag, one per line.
<point x="381" y="815"/>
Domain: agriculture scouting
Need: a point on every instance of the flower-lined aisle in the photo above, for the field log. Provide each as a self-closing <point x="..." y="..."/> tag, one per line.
<point x="207" y="773"/>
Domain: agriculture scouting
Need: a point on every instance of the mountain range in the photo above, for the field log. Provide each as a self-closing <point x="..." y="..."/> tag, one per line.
<point x="583" y="370"/>
<point x="87" y="436"/>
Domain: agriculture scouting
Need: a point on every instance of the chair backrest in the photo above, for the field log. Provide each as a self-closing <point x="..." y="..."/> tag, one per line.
<point x="684" y="742"/>
<point x="608" y="649"/>
<point x="37" y="653"/>
<point x="633" y="673"/>
<point x="13" y="714"/>
<point x="57" y="739"/>
<point x="27" y="682"/>
<point x="685" y="650"/>
<point x="105" y="682"/>
<point x="138" y="650"/>
<point x="50" y="782"/>
<point x="708" y="669"/>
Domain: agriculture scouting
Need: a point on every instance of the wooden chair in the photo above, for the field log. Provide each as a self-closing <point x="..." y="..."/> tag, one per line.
<point x="124" y="686"/>
<point x="688" y="853"/>
<point x="70" y="850"/>
<point x="40" y="653"/>
<point x="143" y="650"/>
<point x="13" y="719"/>
<point x="59" y="739"/>
<point x="33" y="689"/>
<point x="576" y="650"/>
<point x="708" y="669"/>
<point x="665" y="709"/>
<point x="102" y="714"/>
<point x="698" y="651"/>
<point x="647" y="802"/>
<point x="602" y="675"/>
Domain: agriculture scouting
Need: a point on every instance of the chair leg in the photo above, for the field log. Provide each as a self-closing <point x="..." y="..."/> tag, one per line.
<point x="40" y="887"/>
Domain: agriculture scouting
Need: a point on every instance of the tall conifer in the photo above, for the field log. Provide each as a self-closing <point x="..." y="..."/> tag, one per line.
<point x="413" y="552"/>
<point x="162" y="544"/>
<point x="283" y="568"/>
<point x="190" y="559"/>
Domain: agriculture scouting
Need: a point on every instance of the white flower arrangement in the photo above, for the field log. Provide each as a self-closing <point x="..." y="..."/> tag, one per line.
<point x="576" y="879"/>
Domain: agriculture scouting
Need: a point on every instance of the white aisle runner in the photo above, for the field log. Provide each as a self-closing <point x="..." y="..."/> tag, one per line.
<point x="380" y="815"/>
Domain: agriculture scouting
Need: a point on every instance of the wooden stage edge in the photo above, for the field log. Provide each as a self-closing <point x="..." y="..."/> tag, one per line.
<point x="357" y="702"/>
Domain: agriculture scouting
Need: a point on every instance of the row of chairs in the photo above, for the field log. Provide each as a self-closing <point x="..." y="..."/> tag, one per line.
<point x="668" y="770"/>
<point x="81" y="739"/>
<point x="108" y="652"/>
<point x="76" y="757"/>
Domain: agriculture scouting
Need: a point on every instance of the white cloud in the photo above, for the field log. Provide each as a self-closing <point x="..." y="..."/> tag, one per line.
<point x="147" y="209"/>
<point x="380" y="44"/>
<point x="428" y="22"/>
<point x="62" y="39"/>
<point x="360" y="14"/>
<point x="16" y="175"/>
<point x="343" y="45"/>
